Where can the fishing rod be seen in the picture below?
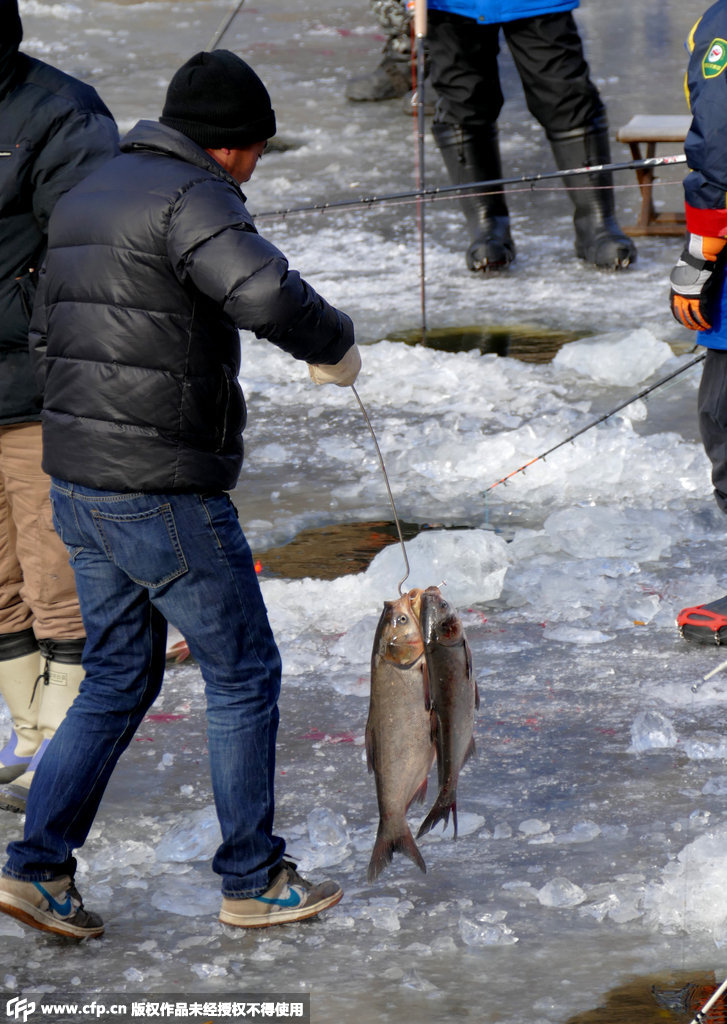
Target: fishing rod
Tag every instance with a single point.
(697, 686)
(466, 189)
(388, 488)
(224, 25)
(700, 1015)
(601, 419)
(420, 33)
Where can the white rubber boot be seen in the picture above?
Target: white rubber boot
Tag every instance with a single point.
(19, 671)
(58, 687)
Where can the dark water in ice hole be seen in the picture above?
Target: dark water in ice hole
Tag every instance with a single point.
(326, 552)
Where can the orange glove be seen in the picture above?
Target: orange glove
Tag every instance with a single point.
(692, 282)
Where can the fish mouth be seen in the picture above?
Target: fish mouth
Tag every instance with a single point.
(414, 597)
(438, 620)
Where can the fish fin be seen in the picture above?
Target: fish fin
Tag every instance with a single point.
(386, 846)
(433, 725)
(370, 749)
(440, 812)
(470, 752)
(434, 733)
(471, 673)
(419, 795)
(425, 684)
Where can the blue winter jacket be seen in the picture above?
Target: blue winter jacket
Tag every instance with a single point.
(705, 187)
(492, 12)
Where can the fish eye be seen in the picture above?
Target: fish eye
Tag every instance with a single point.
(402, 619)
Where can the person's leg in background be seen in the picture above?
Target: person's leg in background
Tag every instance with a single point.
(466, 81)
(41, 631)
(548, 53)
(392, 77)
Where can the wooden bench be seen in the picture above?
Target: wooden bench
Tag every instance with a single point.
(649, 130)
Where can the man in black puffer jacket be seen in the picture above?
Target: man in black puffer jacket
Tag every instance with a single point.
(53, 131)
(153, 265)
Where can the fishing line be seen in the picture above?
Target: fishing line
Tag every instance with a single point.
(388, 488)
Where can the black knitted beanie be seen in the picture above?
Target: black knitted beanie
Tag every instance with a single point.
(217, 100)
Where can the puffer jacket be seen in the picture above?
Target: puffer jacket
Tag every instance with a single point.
(493, 12)
(153, 265)
(53, 131)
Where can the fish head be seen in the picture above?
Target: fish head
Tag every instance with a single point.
(398, 636)
(440, 623)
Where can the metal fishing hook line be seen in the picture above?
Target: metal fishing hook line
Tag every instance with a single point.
(388, 488)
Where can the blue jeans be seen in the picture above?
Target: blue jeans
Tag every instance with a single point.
(140, 561)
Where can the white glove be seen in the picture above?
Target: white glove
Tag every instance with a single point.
(343, 373)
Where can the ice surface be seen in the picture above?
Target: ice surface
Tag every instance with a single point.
(195, 838)
(561, 892)
(592, 820)
(619, 358)
(487, 930)
(652, 730)
(677, 901)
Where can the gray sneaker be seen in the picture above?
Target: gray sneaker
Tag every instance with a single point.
(54, 906)
(289, 898)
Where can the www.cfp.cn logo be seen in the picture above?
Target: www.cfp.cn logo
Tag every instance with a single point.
(19, 1008)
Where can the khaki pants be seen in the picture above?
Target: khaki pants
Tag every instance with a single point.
(37, 588)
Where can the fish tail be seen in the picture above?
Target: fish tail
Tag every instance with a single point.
(445, 804)
(387, 845)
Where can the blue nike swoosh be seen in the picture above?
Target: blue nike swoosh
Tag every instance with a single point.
(63, 909)
(293, 900)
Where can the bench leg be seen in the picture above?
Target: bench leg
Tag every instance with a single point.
(645, 178)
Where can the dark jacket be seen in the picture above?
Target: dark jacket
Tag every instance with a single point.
(705, 187)
(53, 131)
(153, 265)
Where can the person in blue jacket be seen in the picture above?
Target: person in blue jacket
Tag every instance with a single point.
(463, 43)
(698, 296)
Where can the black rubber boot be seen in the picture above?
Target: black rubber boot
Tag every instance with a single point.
(475, 156)
(599, 240)
(704, 623)
(390, 80)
